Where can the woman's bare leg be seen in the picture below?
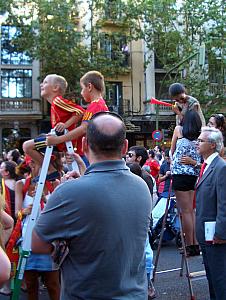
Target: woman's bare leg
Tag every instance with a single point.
(185, 204)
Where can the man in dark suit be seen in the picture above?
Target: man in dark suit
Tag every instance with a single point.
(211, 206)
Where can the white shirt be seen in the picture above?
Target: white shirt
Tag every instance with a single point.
(209, 160)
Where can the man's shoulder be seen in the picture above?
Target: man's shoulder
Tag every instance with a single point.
(146, 177)
(145, 173)
(219, 162)
(68, 187)
(164, 166)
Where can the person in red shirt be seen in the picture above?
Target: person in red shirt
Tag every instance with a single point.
(153, 164)
(92, 89)
(65, 114)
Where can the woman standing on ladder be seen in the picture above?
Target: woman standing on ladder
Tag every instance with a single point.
(185, 176)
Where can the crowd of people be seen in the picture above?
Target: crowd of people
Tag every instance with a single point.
(102, 214)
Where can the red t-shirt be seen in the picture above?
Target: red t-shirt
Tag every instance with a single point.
(154, 167)
(62, 110)
(93, 108)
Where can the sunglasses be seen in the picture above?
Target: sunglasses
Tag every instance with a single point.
(130, 154)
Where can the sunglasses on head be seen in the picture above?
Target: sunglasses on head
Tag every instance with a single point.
(219, 117)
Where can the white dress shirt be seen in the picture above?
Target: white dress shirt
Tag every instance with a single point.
(209, 160)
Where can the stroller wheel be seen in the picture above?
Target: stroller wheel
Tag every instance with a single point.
(178, 240)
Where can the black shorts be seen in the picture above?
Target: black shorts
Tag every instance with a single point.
(40, 143)
(184, 182)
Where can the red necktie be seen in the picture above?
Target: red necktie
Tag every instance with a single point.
(200, 176)
(202, 170)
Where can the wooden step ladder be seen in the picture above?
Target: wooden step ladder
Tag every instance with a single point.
(191, 276)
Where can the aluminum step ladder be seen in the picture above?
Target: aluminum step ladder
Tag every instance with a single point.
(191, 276)
(26, 245)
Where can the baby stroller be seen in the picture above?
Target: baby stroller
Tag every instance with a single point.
(172, 227)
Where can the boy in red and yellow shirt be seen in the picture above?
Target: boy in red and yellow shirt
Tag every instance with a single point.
(92, 89)
(65, 114)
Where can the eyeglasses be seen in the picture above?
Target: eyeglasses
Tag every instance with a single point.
(202, 141)
(130, 154)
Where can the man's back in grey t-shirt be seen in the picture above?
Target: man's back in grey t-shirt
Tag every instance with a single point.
(104, 216)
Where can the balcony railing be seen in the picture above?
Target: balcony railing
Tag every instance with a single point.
(127, 108)
(216, 89)
(20, 106)
(163, 108)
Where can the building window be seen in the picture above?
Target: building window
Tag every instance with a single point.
(163, 94)
(16, 83)
(114, 96)
(115, 48)
(9, 51)
(217, 74)
(158, 64)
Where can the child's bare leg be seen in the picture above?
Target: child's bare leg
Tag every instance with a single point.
(37, 157)
(29, 149)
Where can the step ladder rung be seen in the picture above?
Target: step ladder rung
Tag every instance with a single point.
(197, 274)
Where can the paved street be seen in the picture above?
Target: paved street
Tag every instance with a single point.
(169, 285)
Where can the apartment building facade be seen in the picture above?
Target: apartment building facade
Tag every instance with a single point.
(20, 103)
(23, 114)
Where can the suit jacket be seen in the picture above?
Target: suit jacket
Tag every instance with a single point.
(211, 200)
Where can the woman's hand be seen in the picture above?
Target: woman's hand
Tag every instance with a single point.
(176, 110)
(70, 175)
(81, 165)
(27, 210)
(187, 160)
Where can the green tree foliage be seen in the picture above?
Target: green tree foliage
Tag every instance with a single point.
(174, 32)
(50, 33)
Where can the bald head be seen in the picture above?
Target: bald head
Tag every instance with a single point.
(106, 135)
(108, 124)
